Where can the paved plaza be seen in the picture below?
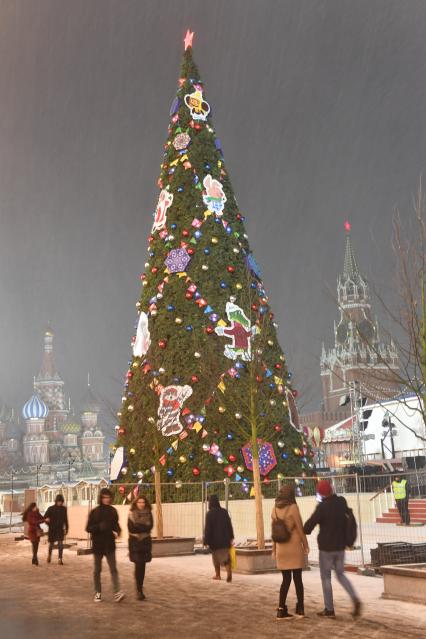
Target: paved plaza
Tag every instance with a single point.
(54, 602)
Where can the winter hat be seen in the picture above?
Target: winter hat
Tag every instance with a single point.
(324, 488)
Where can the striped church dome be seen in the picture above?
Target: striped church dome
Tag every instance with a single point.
(35, 408)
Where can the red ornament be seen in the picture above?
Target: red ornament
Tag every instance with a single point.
(295, 392)
(254, 307)
(196, 471)
(143, 276)
(230, 269)
(209, 330)
(259, 379)
(154, 269)
(266, 480)
(277, 428)
(190, 251)
(121, 431)
(278, 366)
(185, 232)
(122, 490)
(194, 379)
(188, 295)
(232, 458)
(162, 343)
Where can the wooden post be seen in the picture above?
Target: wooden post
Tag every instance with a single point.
(158, 504)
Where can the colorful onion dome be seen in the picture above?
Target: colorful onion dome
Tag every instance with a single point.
(35, 408)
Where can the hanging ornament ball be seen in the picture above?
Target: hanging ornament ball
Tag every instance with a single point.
(132, 451)
(204, 267)
(195, 471)
(240, 469)
(232, 458)
(207, 251)
(153, 313)
(162, 343)
(214, 240)
(232, 299)
(230, 269)
(272, 402)
(140, 474)
(185, 232)
(282, 358)
(278, 428)
(223, 284)
(170, 307)
(121, 431)
(130, 408)
(162, 370)
(230, 436)
(170, 472)
(236, 250)
(182, 459)
(197, 355)
(238, 286)
(238, 415)
(280, 443)
(209, 330)
(259, 379)
(178, 484)
(178, 320)
(206, 448)
(124, 470)
(297, 451)
(121, 490)
(221, 409)
(194, 379)
(220, 459)
(135, 364)
(151, 420)
(280, 476)
(270, 342)
(159, 296)
(284, 455)
(189, 328)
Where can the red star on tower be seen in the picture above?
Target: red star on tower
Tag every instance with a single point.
(188, 39)
(347, 226)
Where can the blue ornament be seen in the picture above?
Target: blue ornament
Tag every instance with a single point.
(284, 455)
(272, 385)
(239, 365)
(230, 436)
(170, 307)
(151, 254)
(263, 310)
(189, 328)
(170, 472)
(191, 456)
(176, 380)
(196, 179)
(253, 285)
(207, 251)
(197, 234)
(237, 376)
(173, 226)
(289, 375)
(228, 230)
(207, 166)
(223, 284)
(180, 189)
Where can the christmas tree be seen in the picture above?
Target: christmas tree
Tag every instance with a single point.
(207, 393)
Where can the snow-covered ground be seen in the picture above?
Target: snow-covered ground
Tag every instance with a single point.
(182, 602)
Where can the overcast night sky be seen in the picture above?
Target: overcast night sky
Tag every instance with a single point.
(320, 107)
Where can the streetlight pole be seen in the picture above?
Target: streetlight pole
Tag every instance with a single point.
(11, 499)
(38, 468)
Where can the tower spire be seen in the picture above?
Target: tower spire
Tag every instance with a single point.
(350, 267)
(48, 369)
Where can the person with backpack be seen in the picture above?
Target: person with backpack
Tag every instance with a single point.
(337, 532)
(219, 536)
(104, 528)
(140, 524)
(32, 520)
(290, 548)
(57, 518)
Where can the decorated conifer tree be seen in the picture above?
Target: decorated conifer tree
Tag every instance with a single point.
(207, 393)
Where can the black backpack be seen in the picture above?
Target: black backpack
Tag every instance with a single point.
(279, 531)
(351, 528)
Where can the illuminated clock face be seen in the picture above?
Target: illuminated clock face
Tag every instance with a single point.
(366, 329)
(342, 332)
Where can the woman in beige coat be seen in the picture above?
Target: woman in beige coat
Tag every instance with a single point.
(290, 555)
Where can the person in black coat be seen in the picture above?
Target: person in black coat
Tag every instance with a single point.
(140, 524)
(219, 536)
(57, 518)
(104, 528)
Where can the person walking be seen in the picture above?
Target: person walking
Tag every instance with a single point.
(104, 528)
(331, 516)
(56, 517)
(32, 520)
(290, 555)
(219, 536)
(401, 492)
(140, 524)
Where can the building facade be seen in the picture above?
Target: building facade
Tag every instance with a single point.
(51, 441)
(359, 356)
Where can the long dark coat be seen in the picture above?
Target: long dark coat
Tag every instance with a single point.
(140, 542)
(102, 524)
(58, 522)
(218, 532)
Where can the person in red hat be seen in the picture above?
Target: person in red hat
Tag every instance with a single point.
(331, 516)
